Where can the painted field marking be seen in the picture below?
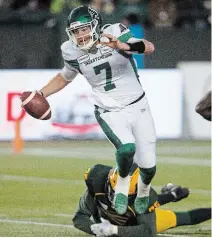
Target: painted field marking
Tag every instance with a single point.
(64, 215)
(97, 155)
(5, 177)
(65, 226)
(35, 223)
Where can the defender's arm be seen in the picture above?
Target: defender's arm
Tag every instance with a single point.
(172, 193)
(84, 211)
(145, 228)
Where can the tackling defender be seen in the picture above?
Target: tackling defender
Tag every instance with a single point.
(104, 56)
(96, 202)
(204, 106)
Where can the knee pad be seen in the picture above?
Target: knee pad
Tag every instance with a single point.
(147, 174)
(126, 150)
(124, 158)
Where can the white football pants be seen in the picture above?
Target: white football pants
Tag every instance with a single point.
(134, 124)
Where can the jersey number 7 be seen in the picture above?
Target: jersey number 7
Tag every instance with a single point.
(105, 66)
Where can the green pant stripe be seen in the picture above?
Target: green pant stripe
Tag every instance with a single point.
(107, 130)
(134, 67)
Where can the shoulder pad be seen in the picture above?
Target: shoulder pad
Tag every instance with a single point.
(69, 52)
(119, 30)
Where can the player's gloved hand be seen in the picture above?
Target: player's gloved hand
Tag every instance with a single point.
(104, 229)
(177, 191)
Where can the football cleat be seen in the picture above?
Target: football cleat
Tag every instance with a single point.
(120, 203)
(141, 204)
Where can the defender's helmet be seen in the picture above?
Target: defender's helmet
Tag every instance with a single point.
(112, 180)
(81, 17)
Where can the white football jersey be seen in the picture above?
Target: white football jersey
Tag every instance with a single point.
(111, 73)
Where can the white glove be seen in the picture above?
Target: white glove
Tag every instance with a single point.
(104, 229)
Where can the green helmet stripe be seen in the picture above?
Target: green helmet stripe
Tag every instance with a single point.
(84, 19)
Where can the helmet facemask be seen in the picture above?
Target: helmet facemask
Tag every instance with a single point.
(85, 43)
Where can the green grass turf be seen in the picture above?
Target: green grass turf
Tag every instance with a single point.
(46, 190)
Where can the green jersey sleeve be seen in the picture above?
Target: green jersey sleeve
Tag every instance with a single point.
(146, 227)
(120, 31)
(84, 212)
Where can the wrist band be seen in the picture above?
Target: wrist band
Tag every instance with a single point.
(137, 46)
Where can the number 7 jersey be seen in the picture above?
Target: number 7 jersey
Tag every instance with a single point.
(111, 73)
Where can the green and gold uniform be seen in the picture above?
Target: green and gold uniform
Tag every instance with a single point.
(95, 203)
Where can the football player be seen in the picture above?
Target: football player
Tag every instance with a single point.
(204, 106)
(103, 55)
(96, 203)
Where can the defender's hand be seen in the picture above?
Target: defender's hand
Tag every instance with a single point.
(113, 42)
(177, 191)
(104, 229)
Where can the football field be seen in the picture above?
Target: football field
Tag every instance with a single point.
(40, 188)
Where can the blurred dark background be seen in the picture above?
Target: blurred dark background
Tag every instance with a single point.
(31, 31)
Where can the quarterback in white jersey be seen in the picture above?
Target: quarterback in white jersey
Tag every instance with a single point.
(103, 55)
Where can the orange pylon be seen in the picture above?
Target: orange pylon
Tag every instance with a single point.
(18, 141)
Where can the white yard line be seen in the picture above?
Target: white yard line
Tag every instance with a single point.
(5, 177)
(184, 161)
(34, 223)
(168, 235)
(107, 155)
(184, 149)
(67, 226)
(64, 215)
(39, 180)
(175, 149)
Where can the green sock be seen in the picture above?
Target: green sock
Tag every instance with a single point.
(193, 217)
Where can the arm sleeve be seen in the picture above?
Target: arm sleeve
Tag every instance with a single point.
(84, 211)
(146, 227)
(120, 31)
(68, 72)
(165, 198)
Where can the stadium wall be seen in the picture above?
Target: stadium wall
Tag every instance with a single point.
(172, 94)
(33, 41)
(72, 112)
(196, 83)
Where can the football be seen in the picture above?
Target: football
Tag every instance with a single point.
(36, 105)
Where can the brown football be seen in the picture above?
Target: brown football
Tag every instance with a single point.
(36, 105)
